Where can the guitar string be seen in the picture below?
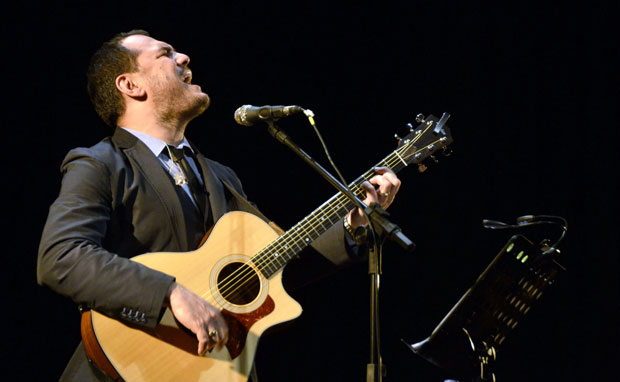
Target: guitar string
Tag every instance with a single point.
(315, 216)
(284, 244)
(263, 257)
(264, 261)
(295, 235)
(268, 261)
(291, 238)
(245, 275)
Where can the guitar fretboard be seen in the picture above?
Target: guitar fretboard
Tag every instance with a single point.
(418, 145)
(277, 254)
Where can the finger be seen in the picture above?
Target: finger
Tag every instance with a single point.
(219, 333)
(220, 342)
(384, 185)
(383, 170)
(223, 331)
(221, 325)
(393, 179)
(214, 339)
(218, 339)
(385, 191)
(203, 342)
(388, 175)
(210, 336)
(371, 193)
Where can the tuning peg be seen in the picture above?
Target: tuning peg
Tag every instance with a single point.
(411, 128)
(446, 152)
(397, 137)
(434, 159)
(422, 168)
(420, 118)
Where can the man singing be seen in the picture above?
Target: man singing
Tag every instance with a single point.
(148, 189)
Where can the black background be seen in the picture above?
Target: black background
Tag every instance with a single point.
(533, 94)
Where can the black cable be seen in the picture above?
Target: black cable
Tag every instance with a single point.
(310, 116)
(531, 220)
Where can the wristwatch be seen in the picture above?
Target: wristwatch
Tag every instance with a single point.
(357, 234)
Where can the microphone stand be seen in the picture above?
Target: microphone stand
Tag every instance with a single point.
(381, 227)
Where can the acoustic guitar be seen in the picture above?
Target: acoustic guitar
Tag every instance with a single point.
(239, 270)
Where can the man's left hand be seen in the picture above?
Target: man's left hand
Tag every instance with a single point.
(381, 188)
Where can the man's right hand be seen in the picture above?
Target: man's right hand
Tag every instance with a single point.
(198, 316)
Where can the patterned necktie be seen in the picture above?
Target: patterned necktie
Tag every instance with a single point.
(195, 187)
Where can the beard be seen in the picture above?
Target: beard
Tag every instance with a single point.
(177, 102)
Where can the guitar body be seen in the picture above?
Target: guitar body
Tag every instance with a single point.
(168, 352)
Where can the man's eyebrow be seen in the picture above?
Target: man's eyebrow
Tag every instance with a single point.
(166, 48)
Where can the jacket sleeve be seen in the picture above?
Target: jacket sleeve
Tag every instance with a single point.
(338, 247)
(72, 260)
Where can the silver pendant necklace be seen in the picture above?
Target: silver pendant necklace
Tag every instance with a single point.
(175, 171)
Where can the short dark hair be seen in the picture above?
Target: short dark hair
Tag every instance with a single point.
(108, 62)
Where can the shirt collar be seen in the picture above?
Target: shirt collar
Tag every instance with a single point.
(154, 144)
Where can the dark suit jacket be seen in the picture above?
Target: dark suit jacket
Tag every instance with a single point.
(116, 201)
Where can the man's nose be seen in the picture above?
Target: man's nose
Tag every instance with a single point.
(182, 59)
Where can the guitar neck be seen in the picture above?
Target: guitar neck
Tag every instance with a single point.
(277, 254)
(431, 135)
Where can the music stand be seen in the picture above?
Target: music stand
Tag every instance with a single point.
(465, 341)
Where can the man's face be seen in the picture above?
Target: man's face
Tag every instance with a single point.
(165, 75)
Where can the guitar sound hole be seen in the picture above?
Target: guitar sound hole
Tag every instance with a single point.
(238, 283)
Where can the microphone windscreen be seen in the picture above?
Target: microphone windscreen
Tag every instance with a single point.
(241, 116)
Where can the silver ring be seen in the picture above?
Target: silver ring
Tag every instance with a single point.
(212, 334)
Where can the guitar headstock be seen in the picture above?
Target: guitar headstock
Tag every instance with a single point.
(431, 135)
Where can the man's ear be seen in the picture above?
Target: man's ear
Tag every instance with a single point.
(127, 85)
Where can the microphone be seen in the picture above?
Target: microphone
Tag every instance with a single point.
(248, 115)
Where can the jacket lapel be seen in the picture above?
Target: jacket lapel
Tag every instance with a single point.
(214, 187)
(153, 173)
